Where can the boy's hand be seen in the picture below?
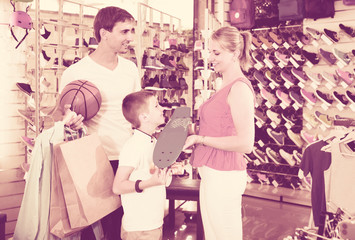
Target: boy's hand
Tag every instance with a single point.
(161, 176)
(71, 119)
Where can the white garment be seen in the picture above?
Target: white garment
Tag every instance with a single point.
(33, 219)
(142, 211)
(221, 203)
(109, 123)
(341, 183)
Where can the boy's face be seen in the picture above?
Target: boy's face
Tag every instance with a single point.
(156, 112)
(121, 36)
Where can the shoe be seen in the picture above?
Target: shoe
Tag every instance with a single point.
(341, 98)
(45, 56)
(342, 56)
(298, 57)
(332, 35)
(307, 137)
(199, 64)
(315, 77)
(260, 155)
(273, 116)
(297, 156)
(182, 48)
(198, 45)
(283, 97)
(323, 118)
(328, 56)
(181, 65)
(268, 96)
(288, 157)
(313, 32)
(27, 115)
(258, 58)
(311, 119)
(324, 97)
(164, 82)
(345, 76)
(183, 84)
(92, 43)
(348, 30)
(342, 121)
(303, 38)
(256, 42)
(164, 59)
(172, 60)
(274, 156)
(260, 116)
(351, 96)
(297, 98)
(25, 88)
(278, 137)
(284, 59)
(309, 97)
(265, 41)
(156, 42)
(29, 142)
(288, 38)
(173, 82)
(275, 38)
(299, 74)
(312, 57)
(295, 138)
(152, 64)
(260, 78)
(276, 80)
(288, 78)
(290, 118)
(330, 78)
(270, 59)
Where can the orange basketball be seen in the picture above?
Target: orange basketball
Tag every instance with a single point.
(83, 96)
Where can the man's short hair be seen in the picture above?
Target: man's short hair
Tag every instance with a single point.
(107, 17)
(134, 104)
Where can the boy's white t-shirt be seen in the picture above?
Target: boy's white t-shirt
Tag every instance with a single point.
(109, 123)
(142, 211)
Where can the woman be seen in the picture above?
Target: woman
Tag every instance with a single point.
(226, 132)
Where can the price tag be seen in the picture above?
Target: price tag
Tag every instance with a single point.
(308, 126)
(309, 106)
(315, 43)
(257, 162)
(258, 124)
(340, 64)
(295, 106)
(340, 107)
(264, 46)
(301, 85)
(268, 104)
(309, 64)
(294, 62)
(328, 86)
(281, 65)
(287, 85)
(273, 125)
(324, 106)
(252, 47)
(268, 64)
(288, 125)
(314, 85)
(286, 45)
(323, 127)
(299, 44)
(271, 85)
(261, 143)
(343, 84)
(326, 40)
(283, 105)
(275, 183)
(258, 65)
(274, 45)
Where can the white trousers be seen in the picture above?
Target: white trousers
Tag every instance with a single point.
(221, 203)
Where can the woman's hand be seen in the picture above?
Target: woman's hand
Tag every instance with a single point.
(71, 119)
(192, 140)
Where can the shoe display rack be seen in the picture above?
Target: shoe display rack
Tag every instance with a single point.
(276, 79)
(59, 40)
(165, 59)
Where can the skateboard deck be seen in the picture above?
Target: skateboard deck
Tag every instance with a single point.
(172, 138)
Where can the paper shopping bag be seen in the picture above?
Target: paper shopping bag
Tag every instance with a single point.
(58, 218)
(86, 177)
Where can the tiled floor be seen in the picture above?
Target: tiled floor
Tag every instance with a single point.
(263, 220)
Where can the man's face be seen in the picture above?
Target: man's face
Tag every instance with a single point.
(121, 36)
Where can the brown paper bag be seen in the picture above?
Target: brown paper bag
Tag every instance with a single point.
(86, 178)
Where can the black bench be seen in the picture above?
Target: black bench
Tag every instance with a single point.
(184, 189)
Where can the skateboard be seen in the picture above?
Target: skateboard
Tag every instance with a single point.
(172, 138)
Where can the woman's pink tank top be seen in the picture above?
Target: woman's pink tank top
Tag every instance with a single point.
(216, 121)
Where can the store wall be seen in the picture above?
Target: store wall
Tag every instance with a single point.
(12, 151)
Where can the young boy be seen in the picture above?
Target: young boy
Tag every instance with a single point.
(142, 188)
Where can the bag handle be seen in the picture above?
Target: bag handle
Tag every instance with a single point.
(70, 134)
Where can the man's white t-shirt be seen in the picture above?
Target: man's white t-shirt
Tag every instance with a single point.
(109, 123)
(142, 211)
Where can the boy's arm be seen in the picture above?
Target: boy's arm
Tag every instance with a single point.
(122, 184)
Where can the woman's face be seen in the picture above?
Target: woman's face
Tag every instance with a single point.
(221, 59)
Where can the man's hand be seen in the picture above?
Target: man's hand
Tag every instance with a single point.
(71, 119)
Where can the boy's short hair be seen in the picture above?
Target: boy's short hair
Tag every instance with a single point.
(107, 17)
(134, 104)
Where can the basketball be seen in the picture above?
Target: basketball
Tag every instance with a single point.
(83, 96)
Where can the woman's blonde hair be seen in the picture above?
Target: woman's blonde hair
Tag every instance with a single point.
(231, 39)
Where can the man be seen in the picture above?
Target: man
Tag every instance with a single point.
(115, 77)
